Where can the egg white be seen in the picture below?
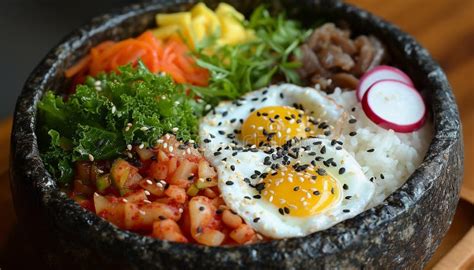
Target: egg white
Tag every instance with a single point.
(234, 162)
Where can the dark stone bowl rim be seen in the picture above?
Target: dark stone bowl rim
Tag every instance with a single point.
(394, 206)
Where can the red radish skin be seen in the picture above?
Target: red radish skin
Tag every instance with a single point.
(379, 73)
(397, 88)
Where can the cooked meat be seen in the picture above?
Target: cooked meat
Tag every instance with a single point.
(332, 59)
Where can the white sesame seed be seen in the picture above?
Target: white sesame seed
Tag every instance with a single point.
(180, 210)
(129, 147)
(191, 141)
(124, 200)
(114, 109)
(129, 124)
(188, 151)
(130, 155)
(175, 129)
(141, 146)
(142, 212)
(165, 145)
(159, 141)
(144, 128)
(176, 102)
(91, 157)
(167, 136)
(147, 192)
(171, 148)
(97, 83)
(149, 182)
(147, 201)
(127, 128)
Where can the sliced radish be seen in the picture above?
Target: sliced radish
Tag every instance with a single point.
(394, 105)
(379, 73)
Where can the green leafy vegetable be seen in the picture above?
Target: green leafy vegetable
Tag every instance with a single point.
(238, 69)
(109, 112)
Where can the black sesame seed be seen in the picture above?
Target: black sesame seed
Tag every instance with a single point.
(201, 208)
(317, 143)
(321, 171)
(382, 176)
(286, 209)
(224, 159)
(247, 197)
(221, 132)
(229, 183)
(296, 188)
(346, 210)
(212, 136)
(225, 113)
(217, 153)
(190, 177)
(280, 210)
(207, 140)
(353, 109)
(246, 180)
(257, 196)
(199, 229)
(281, 95)
(348, 197)
(162, 217)
(338, 148)
(254, 99)
(333, 142)
(352, 121)
(260, 187)
(256, 219)
(316, 193)
(232, 167)
(371, 150)
(323, 150)
(345, 187)
(327, 133)
(352, 133)
(234, 154)
(219, 211)
(342, 170)
(265, 92)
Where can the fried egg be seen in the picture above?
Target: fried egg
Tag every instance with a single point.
(279, 167)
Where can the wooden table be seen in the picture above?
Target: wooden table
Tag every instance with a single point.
(446, 28)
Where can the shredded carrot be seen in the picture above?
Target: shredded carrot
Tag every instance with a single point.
(172, 57)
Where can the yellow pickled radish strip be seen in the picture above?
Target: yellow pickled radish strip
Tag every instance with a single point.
(225, 23)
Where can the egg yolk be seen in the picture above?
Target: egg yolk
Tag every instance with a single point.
(275, 125)
(302, 193)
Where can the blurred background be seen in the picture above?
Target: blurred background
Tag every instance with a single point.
(31, 27)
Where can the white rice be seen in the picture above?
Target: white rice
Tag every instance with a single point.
(396, 155)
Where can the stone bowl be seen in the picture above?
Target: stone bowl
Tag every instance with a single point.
(403, 232)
